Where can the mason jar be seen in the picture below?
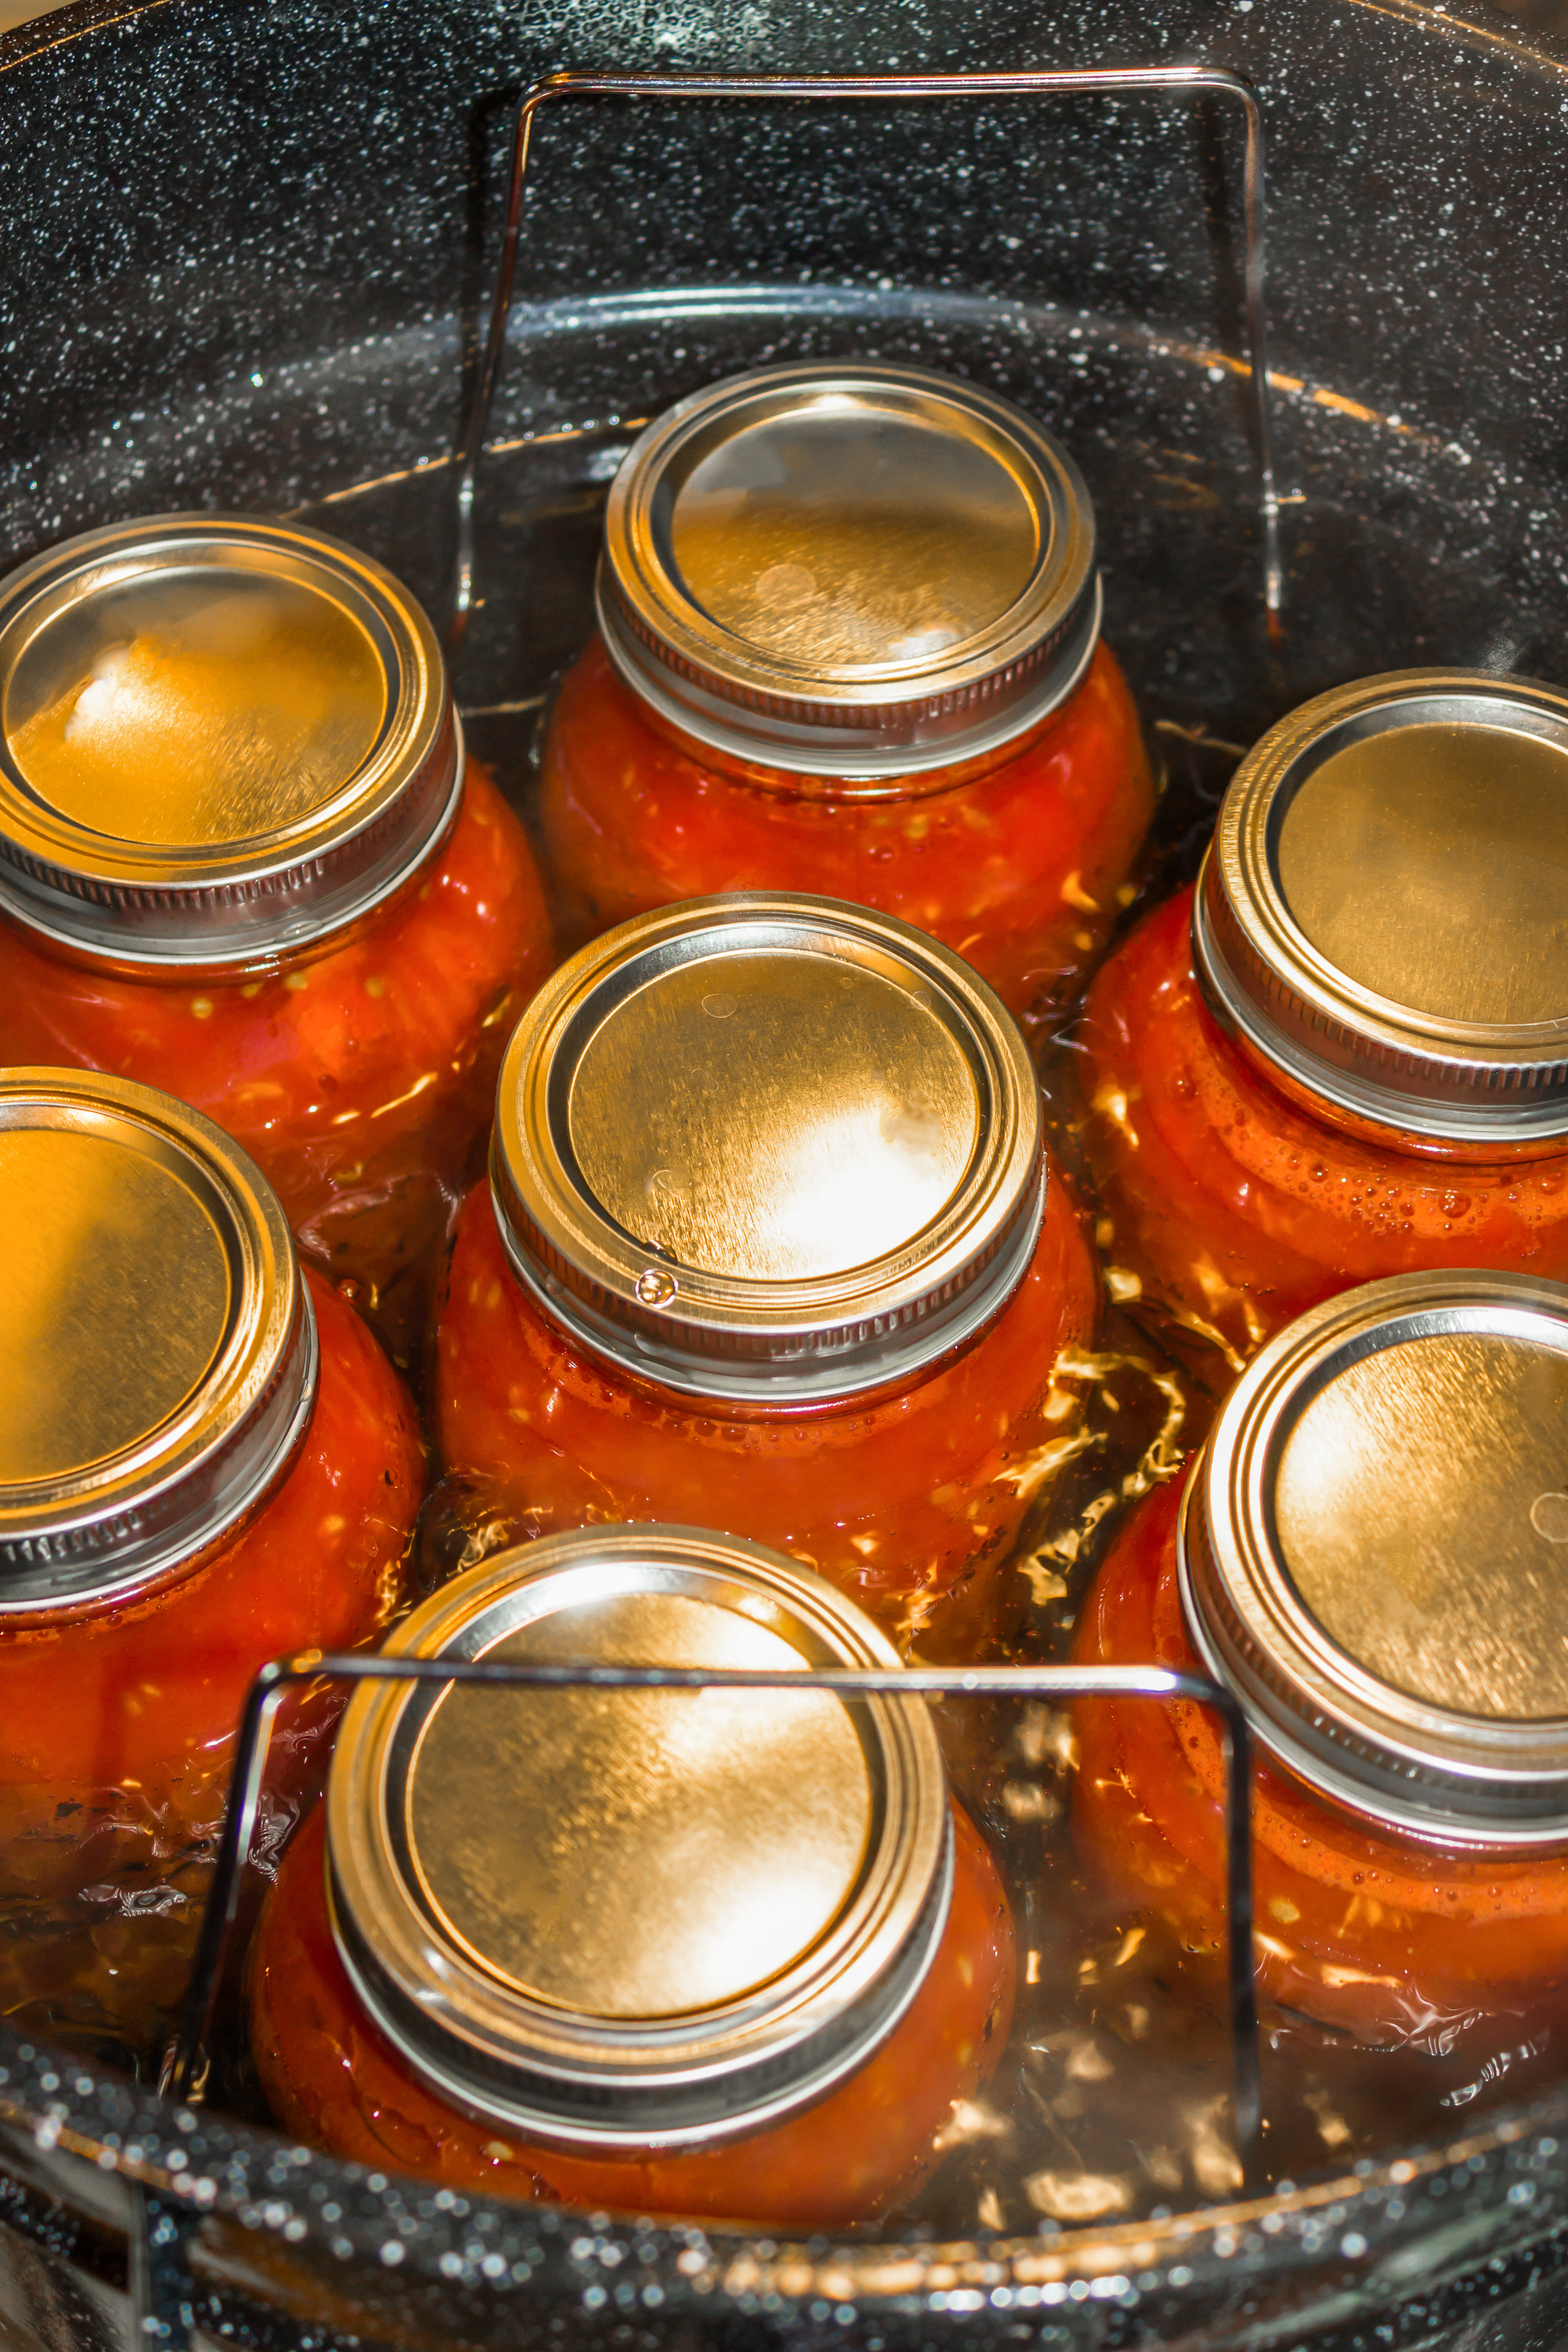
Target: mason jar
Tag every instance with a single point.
(849, 644)
(206, 1462)
(1371, 1553)
(242, 858)
(720, 1952)
(1344, 1055)
(769, 1242)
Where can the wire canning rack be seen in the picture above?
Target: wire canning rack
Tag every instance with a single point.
(165, 2292)
(185, 2070)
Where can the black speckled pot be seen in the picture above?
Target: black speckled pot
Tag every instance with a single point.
(244, 244)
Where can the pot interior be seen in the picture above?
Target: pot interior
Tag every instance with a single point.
(290, 328)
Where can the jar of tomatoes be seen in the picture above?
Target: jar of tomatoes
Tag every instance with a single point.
(769, 1242)
(241, 857)
(1345, 1055)
(708, 1951)
(849, 643)
(1371, 1553)
(205, 1461)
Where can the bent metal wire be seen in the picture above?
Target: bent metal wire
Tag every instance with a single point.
(186, 2065)
(1091, 81)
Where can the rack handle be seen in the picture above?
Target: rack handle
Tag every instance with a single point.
(1103, 81)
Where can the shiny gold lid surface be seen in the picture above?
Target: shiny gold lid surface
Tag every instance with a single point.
(157, 1351)
(1376, 1551)
(638, 1915)
(852, 569)
(220, 739)
(115, 1301)
(1382, 914)
(595, 1888)
(216, 707)
(813, 1120)
(768, 1143)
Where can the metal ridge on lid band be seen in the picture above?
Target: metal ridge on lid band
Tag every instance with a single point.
(1369, 1554)
(159, 1347)
(852, 569)
(223, 740)
(1378, 917)
(768, 1144)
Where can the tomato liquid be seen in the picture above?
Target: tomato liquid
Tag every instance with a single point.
(117, 1724)
(1374, 1932)
(361, 1081)
(335, 2083)
(1235, 1209)
(908, 1501)
(1019, 863)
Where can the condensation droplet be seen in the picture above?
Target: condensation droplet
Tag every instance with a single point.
(1549, 1518)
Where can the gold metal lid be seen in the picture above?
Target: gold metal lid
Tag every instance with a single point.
(637, 1917)
(157, 1348)
(1382, 914)
(221, 740)
(768, 1144)
(848, 570)
(1375, 1552)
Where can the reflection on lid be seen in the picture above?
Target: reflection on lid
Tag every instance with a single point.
(1430, 863)
(840, 537)
(221, 707)
(114, 1299)
(1408, 1501)
(656, 1851)
(773, 1116)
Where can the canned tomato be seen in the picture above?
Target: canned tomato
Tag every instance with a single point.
(769, 1242)
(241, 857)
(1371, 1553)
(1345, 1055)
(730, 1952)
(206, 1462)
(849, 643)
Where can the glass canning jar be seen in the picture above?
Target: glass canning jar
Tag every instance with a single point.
(722, 1952)
(769, 1242)
(241, 857)
(206, 1462)
(1373, 1552)
(1345, 1055)
(849, 644)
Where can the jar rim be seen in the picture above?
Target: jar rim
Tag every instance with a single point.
(162, 1343)
(1434, 1003)
(696, 1196)
(850, 569)
(1376, 1621)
